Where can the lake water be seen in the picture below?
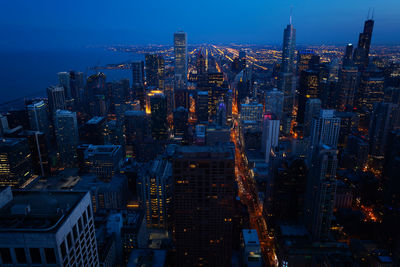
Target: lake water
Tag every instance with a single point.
(29, 73)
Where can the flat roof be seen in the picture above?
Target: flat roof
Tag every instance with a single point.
(44, 210)
(95, 120)
(250, 236)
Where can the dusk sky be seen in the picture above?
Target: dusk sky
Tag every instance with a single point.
(47, 24)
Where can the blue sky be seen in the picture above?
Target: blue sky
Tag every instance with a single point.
(47, 24)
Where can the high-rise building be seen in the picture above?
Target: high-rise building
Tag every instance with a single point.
(158, 106)
(321, 190)
(306, 60)
(252, 111)
(93, 131)
(348, 80)
(155, 70)
(202, 106)
(95, 94)
(309, 88)
(274, 102)
(157, 194)
(38, 147)
(370, 89)
(15, 161)
(3, 124)
(270, 135)
(221, 113)
(348, 56)
(313, 108)
(137, 131)
(38, 117)
(64, 81)
(58, 228)
(66, 129)
(384, 118)
(137, 73)
(181, 59)
(361, 53)
(286, 81)
(56, 97)
(181, 122)
(325, 129)
(203, 204)
(104, 160)
(77, 85)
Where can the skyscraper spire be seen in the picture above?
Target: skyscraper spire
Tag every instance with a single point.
(290, 17)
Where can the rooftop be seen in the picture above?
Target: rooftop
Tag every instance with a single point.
(36, 211)
(250, 236)
(9, 142)
(95, 120)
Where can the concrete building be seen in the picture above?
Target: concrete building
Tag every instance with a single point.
(251, 248)
(46, 228)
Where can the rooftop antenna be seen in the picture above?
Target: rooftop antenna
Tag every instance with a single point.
(369, 12)
(291, 12)
(373, 11)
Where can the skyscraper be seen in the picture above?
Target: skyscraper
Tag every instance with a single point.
(348, 80)
(348, 56)
(181, 64)
(137, 131)
(274, 102)
(361, 53)
(137, 73)
(66, 129)
(321, 190)
(270, 135)
(56, 97)
(64, 81)
(155, 70)
(202, 106)
(286, 81)
(38, 117)
(203, 204)
(158, 106)
(157, 194)
(325, 129)
(15, 161)
(309, 88)
(313, 108)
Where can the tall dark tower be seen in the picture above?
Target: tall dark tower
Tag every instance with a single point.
(361, 53)
(286, 82)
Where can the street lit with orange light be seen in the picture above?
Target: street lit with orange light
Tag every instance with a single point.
(249, 197)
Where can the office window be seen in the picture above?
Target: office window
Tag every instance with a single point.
(50, 255)
(35, 255)
(5, 255)
(20, 255)
(75, 232)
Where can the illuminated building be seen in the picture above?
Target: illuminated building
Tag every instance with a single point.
(58, 228)
(93, 132)
(348, 125)
(155, 70)
(251, 248)
(216, 78)
(181, 98)
(348, 80)
(137, 73)
(217, 134)
(38, 118)
(66, 129)
(270, 135)
(15, 161)
(204, 195)
(321, 189)
(306, 59)
(56, 97)
(119, 92)
(384, 118)
(104, 161)
(158, 106)
(371, 89)
(309, 88)
(202, 106)
(325, 129)
(181, 60)
(169, 94)
(252, 111)
(313, 108)
(361, 53)
(355, 155)
(215, 94)
(64, 81)
(157, 194)
(274, 102)
(221, 113)
(201, 69)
